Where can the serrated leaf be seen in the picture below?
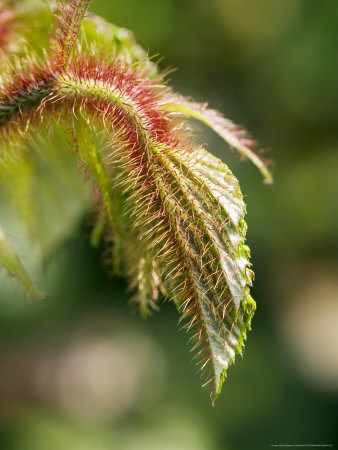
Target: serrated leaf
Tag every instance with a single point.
(206, 210)
(11, 261)
(189, 222)
(68, 19)
(235, 136)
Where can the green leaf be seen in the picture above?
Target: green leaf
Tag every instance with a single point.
(205, 207)
(187, 242)
(111, 39)
(11, 261)
(98, 228)
(31, 24)
(67, 27)
(231, 133)
(36, 178)
(90, 155)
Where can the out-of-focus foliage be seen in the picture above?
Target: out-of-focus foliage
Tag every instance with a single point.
(35, 180)
(11, 261)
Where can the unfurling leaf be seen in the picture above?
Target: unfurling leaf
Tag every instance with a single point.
(172, 212)
(235, 136)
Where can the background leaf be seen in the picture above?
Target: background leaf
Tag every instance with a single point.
(11, 261)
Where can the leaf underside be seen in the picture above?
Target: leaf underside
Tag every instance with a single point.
(172, 214)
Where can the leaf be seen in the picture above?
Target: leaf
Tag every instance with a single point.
(36, 177)
(188, 220)
(30, 24)
(110, 39)
(68, 23)
(90, 155)
(206, 211)
(98, 228)
(231, 133)
(146, 285)
(11, 261)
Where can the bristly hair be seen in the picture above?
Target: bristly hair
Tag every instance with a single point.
(6, 26)
(175, 212)
(67, 26)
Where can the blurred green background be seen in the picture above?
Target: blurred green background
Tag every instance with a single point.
(81, 371)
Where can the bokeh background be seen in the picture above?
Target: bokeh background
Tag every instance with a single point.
(82, 371)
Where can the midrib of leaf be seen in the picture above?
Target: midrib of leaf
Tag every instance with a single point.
(199, 215)
(206, 188)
